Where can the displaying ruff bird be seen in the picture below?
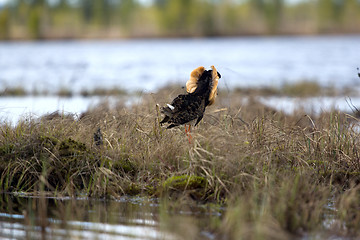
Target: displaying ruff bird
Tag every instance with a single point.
(201, 92)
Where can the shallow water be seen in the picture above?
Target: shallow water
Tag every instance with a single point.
(83, 218)
(13, 109)
(26, 217)
(146, 65)
(313, 105)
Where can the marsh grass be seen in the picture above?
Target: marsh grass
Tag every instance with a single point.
(104, 92)
(13, 91)
(274, 172)
(301, 88)
(19, 91)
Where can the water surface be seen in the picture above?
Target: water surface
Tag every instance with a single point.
(24, 217)
(146, 65)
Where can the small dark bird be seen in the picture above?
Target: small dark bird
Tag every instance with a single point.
(185, 108)
(358, 72)
(98, 137)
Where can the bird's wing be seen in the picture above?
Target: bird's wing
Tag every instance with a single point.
(177, 105)
(191, 84)
(180, 103)
(187, 108)
(184, 108)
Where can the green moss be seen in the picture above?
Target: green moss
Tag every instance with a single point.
(124, 165)
(185, 186)
(133, 189)
(71, 147)
(185, 182)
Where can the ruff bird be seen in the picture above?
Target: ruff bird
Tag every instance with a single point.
(187, 108)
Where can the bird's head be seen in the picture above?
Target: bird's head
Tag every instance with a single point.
(202, 81)
(199, 76)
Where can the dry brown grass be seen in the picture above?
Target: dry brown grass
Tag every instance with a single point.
(275, 172)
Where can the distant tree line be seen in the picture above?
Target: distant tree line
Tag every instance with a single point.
(46, 19)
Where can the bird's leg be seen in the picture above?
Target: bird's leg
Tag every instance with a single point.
(189, 134)
(190, 138)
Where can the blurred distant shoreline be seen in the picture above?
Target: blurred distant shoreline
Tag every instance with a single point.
(133, 19)
(95, 37)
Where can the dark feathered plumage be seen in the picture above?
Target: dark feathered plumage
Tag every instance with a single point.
(188, 107)
(98, 137)
(183, 109)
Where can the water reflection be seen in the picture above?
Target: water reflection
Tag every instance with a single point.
(12, 109)
(83, 218)
(30, 217)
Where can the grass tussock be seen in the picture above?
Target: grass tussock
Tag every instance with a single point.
(276, 173)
